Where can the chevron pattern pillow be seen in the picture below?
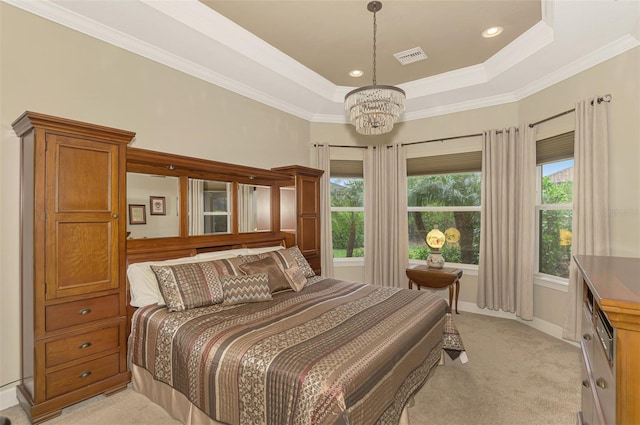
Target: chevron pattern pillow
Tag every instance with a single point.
(246, 289)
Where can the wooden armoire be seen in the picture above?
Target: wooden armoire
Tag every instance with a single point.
(72, 262)
(307, 183)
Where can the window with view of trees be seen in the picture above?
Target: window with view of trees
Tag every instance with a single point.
(554, 204)
(347, 208)
(452, 203)
(444, 191)
(347, 216)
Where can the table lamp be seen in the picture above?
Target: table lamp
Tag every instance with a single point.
(435, 239)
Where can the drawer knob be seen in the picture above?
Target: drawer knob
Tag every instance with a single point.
(585, 383)
(85, 374)
(600, 382)
(85, 345)
(586, 337)
(115, 216)
(84, 311)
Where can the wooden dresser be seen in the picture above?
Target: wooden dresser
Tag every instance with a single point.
(610, 340)
(72, 262)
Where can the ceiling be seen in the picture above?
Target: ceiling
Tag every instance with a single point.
(334, 37)
(296, 55)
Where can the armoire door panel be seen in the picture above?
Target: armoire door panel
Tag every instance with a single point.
(84, 174)
(84, 256)
(308, 242)
(309, 196)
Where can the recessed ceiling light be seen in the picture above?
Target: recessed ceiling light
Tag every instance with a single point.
(492, 32)
(356, 73)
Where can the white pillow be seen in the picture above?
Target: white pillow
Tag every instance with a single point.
(143, 283)
(218, 255)
(254, 251)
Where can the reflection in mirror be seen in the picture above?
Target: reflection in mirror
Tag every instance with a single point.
(288, 209)
(151, 222)
(209, 207)
(254, 208)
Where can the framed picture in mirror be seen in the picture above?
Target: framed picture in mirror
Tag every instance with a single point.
(158, 205)
(137, 214)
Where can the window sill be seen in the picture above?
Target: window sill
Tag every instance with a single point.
(348, 262)
(552, 282)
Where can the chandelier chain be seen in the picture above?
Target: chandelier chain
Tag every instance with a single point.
(375, 30)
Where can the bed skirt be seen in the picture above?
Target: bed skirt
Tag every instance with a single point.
(180, 408)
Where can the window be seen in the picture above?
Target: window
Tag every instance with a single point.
(449, 200)
(347, 209)
(554, 203)
(554, 215)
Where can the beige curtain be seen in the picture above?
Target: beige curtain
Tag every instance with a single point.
(590, 226)
(196, 207)
(507, 236)
(385, 216)
(322, 159)
(247, 211)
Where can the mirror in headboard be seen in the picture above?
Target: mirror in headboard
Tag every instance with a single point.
(213, 205)
(209, 206)
(146, 191)
(254, 208)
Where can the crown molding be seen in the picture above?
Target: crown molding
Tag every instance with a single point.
(605, 53)
(533, 40)
(297, 82)
(460, 107)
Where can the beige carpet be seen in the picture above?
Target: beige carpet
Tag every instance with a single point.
(515, 375)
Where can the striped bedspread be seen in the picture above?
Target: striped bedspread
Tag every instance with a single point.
(334, 353)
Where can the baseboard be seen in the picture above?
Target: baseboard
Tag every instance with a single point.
(538, 324)
(8, 398)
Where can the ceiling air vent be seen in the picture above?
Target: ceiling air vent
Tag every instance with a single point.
(410, 56)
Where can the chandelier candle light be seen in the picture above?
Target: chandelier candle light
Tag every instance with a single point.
(374, 109)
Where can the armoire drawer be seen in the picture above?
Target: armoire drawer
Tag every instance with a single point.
(79, 346)
(75, 313)
(72, 378)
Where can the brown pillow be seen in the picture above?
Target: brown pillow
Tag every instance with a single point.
(277, 279)
(296, 277)
(190, 285)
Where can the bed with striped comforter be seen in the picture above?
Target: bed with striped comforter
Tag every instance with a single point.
(334, 353)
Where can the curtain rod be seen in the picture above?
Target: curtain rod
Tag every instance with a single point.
(449, 138)
(340, 146)
(606, 98)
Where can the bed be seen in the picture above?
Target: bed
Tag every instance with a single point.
(250, 344)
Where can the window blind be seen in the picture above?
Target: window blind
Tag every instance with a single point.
(465, 162)
(346, 168)
(555, 148)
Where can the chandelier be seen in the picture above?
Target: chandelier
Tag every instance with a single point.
(374, 109)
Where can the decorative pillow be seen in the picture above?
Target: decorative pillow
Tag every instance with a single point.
(190, 285)
(228, 266)
(296, 277)
(277, 279)
(246, 289)
(302, 262)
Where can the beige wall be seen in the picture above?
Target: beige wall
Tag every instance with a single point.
(50, 69)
